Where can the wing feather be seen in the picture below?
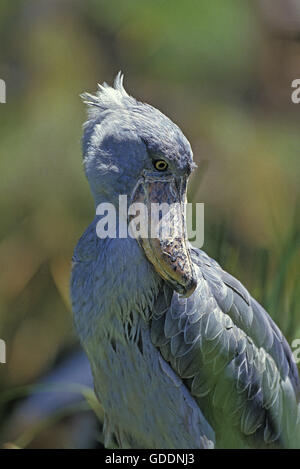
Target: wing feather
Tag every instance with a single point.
(236, 361)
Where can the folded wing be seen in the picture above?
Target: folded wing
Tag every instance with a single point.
(233, 358)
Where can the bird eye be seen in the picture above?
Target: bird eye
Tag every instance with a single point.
(160, 165)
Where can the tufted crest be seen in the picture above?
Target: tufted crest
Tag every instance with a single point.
(108, 98)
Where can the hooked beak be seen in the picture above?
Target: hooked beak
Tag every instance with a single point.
(165, 243)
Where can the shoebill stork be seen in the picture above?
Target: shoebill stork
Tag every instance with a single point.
(182, 356)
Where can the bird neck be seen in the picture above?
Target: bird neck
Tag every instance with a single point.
(124, 285)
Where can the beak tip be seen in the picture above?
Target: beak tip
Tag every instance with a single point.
(189, 288)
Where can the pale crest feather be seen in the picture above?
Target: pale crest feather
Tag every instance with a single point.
(108, 98)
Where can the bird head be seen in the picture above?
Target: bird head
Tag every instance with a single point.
(130, 148)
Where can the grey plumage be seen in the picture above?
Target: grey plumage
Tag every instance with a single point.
(238, 363)
(171, 371)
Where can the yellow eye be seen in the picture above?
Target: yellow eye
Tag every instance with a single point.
(160, 165)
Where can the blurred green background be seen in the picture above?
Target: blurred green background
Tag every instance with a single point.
(223, 72)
